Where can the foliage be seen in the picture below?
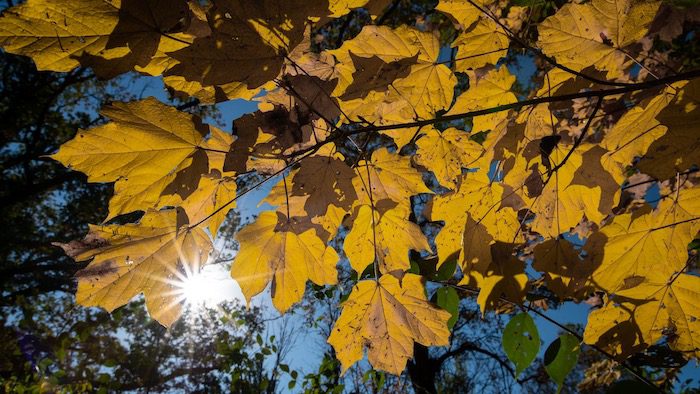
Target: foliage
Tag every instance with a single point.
(56, 348)
(539, 191)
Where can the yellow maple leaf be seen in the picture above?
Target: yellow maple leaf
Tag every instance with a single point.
(282, 197)
(161, 61)
(181, 87)
(326, 180)
(490, 90)
(151, 257)
(372, 74)
(391, 176)
(594, 34)
(481, 44)
(274, 251)
(548, 191)
(386, 317)
(342, 7)
(614, 329)
(286, 203)
(428, 87)
(559, 209)
(320, 191)
(213, 194)
(446, 153)
(474, 218)
(461, 12)
(649, 311)
(679, 148)
(58, 35)
(142, 149)
(632, 135)
(653, 244)
(538, 120)
(382, 108)
(395, 235)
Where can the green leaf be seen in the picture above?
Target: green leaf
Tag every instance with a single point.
(521, 341)
(382, 379)
(446, 271)
(561, 357)
(448, 299)
(415, 268)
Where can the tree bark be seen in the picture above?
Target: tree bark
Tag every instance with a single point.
(423, 370)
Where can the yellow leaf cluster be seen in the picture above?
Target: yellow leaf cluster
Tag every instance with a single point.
(385, 147)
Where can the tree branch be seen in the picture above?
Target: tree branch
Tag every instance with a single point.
(471, 347)
(528, 308)
(516, 105)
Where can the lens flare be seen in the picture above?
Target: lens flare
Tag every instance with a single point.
(197, 289)
(207, 286)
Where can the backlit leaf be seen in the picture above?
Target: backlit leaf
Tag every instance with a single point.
(446, 153)
(387, 176)
(142, 149)
(59, 35)
(395, 235)
(581, 35)
(151, 257)
(274, 250)
(521, 341)
(561, 357)
(386, 317)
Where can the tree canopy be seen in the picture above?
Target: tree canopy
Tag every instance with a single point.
(404, 151)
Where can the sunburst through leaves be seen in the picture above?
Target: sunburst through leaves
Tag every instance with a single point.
(400, 152)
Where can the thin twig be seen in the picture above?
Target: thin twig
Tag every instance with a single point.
(580, 138)
(652, 180)
(250, 189)
(578, 336)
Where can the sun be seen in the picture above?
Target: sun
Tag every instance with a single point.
(197, 289)
(208, 286)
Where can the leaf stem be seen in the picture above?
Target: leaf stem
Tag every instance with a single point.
(286, 195)
(374, 231)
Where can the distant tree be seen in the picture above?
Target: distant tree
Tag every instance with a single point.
(54, 347)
